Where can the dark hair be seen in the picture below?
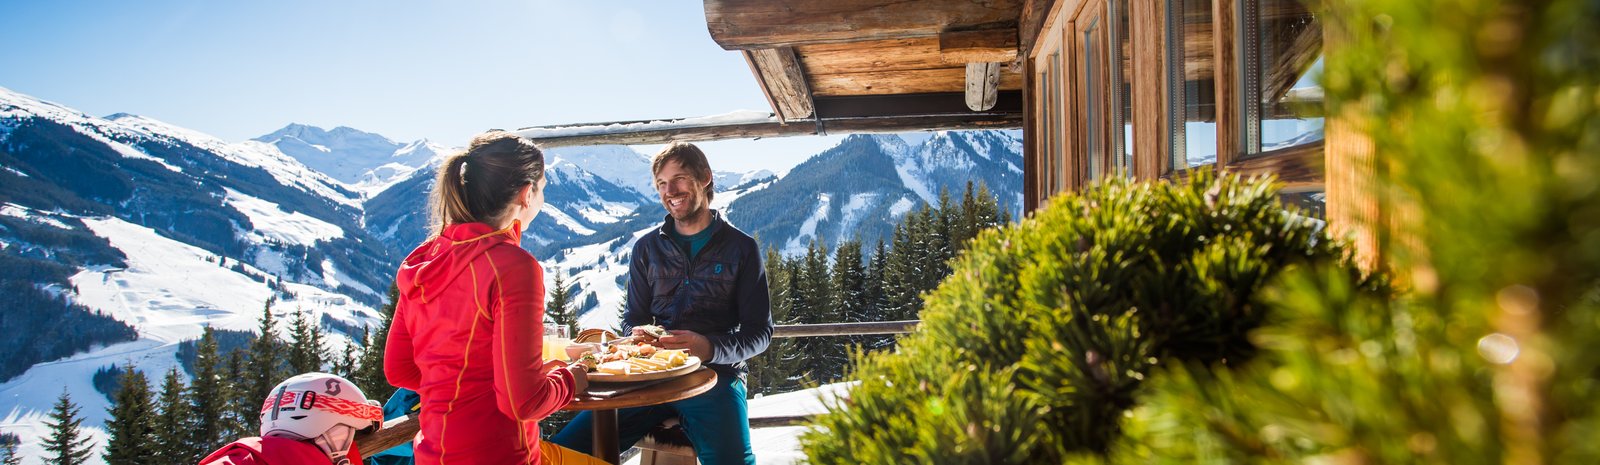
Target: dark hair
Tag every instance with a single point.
(476, 186)
(690, 158)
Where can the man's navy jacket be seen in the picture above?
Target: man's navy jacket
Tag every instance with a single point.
(721, 293)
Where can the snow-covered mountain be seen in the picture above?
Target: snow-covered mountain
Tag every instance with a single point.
(368, 162)
(122, 236)
(861, 187)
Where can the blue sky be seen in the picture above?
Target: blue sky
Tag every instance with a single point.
(442, 70)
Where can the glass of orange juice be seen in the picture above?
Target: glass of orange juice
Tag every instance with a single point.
(556, 340)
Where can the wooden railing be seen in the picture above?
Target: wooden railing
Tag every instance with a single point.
(400, 430)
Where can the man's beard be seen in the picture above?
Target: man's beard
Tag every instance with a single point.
(693, 212)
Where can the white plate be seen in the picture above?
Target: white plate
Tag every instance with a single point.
(689, 366)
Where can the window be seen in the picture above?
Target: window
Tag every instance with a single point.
(1101, 85)
(1121, 76)
(1191, 81)
(1280, 56)
(1090, 53)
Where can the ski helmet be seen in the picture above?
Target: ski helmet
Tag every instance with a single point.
(308, 405)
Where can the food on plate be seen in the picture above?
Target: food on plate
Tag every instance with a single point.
(590, 362)
(616, 368)
(649, 332)
(630, 359)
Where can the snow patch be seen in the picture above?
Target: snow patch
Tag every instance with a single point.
(565, 220)
(274, 224)
(809, 227)
(29, 214)
(170, 290)
(900, 207)
(854, 209)
(14, 171)
(332, 277)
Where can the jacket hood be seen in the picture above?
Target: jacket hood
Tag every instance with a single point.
(438, 262)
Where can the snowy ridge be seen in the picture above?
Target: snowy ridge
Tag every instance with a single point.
(622, 165)
(368, 163)
(14, 106)
(254, 154)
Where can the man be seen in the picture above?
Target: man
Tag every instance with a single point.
(703, 280)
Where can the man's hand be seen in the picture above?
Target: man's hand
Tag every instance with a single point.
(698, 345)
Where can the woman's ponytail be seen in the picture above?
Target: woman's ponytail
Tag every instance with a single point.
(449, 201)
(478, 185)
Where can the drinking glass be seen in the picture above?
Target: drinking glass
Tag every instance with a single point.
(556, 340)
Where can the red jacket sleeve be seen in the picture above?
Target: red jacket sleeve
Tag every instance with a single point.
(399, 358)
(522, 387)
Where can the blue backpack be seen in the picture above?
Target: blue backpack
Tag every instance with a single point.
(403, 402)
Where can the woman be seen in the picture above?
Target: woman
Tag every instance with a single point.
(467, 330)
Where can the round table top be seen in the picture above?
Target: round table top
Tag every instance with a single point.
(679, 388)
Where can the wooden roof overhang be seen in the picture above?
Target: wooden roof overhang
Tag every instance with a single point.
(850, 66)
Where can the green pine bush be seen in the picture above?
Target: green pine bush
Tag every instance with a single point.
(1035, 347)
(1486, 118)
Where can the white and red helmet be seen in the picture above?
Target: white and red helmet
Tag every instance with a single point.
(307, 406)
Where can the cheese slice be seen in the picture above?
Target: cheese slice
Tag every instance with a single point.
(645, 364)
(620, 367)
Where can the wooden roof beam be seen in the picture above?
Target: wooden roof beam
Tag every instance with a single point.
(839, 115)
(778, 72)
(893, 124)
(753, 24)
(983, 51)
(981, 46)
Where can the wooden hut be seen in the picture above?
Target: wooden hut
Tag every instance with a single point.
(1148, 89)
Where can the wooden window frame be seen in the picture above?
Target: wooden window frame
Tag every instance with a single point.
(1298, 168)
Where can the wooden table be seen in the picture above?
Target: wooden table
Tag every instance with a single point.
(605, 408)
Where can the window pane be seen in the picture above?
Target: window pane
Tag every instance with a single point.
(1282, 57)
(1121, 75)
(1058, 127)
(1094, 119)
(1191, 82)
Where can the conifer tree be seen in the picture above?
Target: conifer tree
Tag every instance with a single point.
(240, 419)
(343, 359)
(207, 396)
(877, 295)
(966, 224)
(560, 310)
(900, 271)
(775, 370)
(813, 304)
(266, 365)
(850, 303)
(132, 423)
(173, 423)
(12, 456)
(66, 444)
(307, 351)
(987, 213)
(941, 236)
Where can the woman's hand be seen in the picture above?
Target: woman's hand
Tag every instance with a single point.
(697, 344)
(580, 379)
